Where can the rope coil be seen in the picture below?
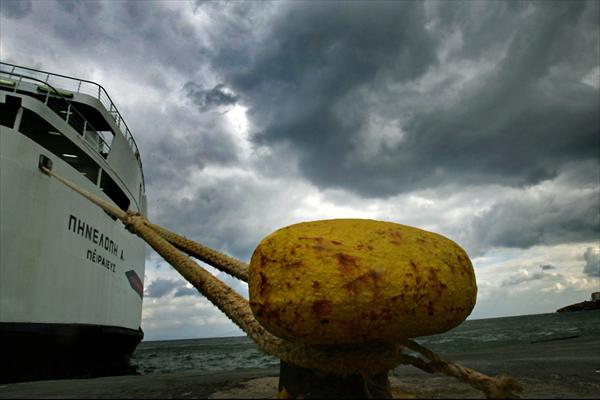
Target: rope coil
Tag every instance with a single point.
(358, 359)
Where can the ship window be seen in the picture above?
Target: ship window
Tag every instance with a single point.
(39, 130)
(113, 191)
(47, 136)
(106, 138)
(8, 111)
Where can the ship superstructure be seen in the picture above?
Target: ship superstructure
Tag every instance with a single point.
(71, 276)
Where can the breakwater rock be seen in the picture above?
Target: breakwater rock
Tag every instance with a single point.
(583, 306)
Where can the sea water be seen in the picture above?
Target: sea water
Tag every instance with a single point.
(227, 354)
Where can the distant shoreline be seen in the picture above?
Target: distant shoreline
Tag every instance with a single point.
(582, 306)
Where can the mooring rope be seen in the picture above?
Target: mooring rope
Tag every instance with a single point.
(499, 387)
(223, 262)
(359, 359)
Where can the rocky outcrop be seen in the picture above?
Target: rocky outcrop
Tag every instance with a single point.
(583, 306)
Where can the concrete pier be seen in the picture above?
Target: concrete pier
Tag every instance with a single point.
(568, 368)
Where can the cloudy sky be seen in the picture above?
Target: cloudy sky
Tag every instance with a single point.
(476, 120)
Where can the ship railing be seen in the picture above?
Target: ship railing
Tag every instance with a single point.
(69, 84)
(55, 100)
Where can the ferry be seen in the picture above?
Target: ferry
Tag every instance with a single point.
(71, 275)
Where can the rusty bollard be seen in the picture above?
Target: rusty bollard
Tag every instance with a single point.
(347, 283)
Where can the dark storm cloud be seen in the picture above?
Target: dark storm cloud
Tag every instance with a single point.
(328, 78)
(525, 122)
(325, 71)
(592, 263)
(174, 157)
(317, 55)
(130, 34)
(15, 8)
(206, 99)
(220, 216)
(82, 9)
(183, 140)
(545, 218)
(186, 291)
(162, 287)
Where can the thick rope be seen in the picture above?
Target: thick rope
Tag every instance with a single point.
(106, 206)
(230, 265)
(499, 387)
(221, 295)
(363, 359)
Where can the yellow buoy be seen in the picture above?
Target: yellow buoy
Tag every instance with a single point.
(349, 281)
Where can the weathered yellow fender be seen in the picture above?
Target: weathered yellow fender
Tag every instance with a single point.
(350, 281)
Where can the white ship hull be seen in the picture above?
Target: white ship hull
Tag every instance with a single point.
(62, 259)
(71, 277)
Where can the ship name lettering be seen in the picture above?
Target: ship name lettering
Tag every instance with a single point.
(87, 231)
(80, 227)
